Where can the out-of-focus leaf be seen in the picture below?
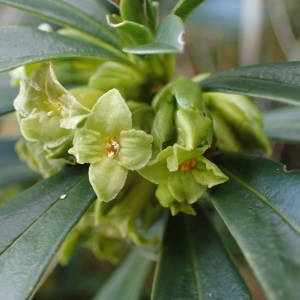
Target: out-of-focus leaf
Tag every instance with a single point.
(127, 281)
(131, 10)
(169, 38)
(7, 95)
(65, 15)
(184, 7)
(94, 8)
(283, 124)
(29, 250)
(273, 81)
(194, 265)
(260, 205)
(20, 45)
(12, 170)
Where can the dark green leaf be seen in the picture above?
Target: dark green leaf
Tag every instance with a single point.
(51, 217)
(21, 45)
(169, 38)
(184, 7)
(283, 124)
(127, 281)
(261, 206)
(273, 81)
(12, 170)
(194, 265)
(65, 15)
(7, 95)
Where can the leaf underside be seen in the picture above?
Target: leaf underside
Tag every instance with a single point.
(283, 124)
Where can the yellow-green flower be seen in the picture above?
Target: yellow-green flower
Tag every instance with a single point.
(108, 142)
(182, 177)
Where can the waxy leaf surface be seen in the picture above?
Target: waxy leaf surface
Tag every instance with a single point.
(260, 205)
(194, 265)
(272, 81)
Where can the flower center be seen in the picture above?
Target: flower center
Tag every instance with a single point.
(188, 164)
(112, 147)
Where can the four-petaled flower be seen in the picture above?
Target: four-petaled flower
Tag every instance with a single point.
(182, 176)
(108, 142)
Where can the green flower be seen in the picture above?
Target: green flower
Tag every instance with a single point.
(182, 176)
(108, 142)
(47, 112)
(37, 158)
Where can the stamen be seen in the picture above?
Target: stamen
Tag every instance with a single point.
(188, 164)
(112, 147)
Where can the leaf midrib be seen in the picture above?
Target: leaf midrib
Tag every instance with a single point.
(28, 228)
(243, 77)
(194, 260)
(265, 200)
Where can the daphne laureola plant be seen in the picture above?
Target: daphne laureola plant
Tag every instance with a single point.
(149, 142)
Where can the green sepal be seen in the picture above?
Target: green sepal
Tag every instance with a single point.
(107, 178)
(135, 149)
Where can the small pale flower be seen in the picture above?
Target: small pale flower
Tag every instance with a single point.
(108, 142)
(182, 177)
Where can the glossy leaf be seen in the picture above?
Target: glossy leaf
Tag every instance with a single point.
(12, 170)
(273, 81)
(194, 265)
(184, 7)
(7, 95)
(42, 219)
(283, 124)
(39, 46)
(260, 205)
(169, 38)
(127, 281)
(65, 15)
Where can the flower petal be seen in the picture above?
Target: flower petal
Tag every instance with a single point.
(156, 171)
(208, 174)
(135, 149)
(107, 178)
(88, 146)
(110, 115)
(184, 188)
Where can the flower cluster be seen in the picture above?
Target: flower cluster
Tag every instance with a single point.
(146, 139)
